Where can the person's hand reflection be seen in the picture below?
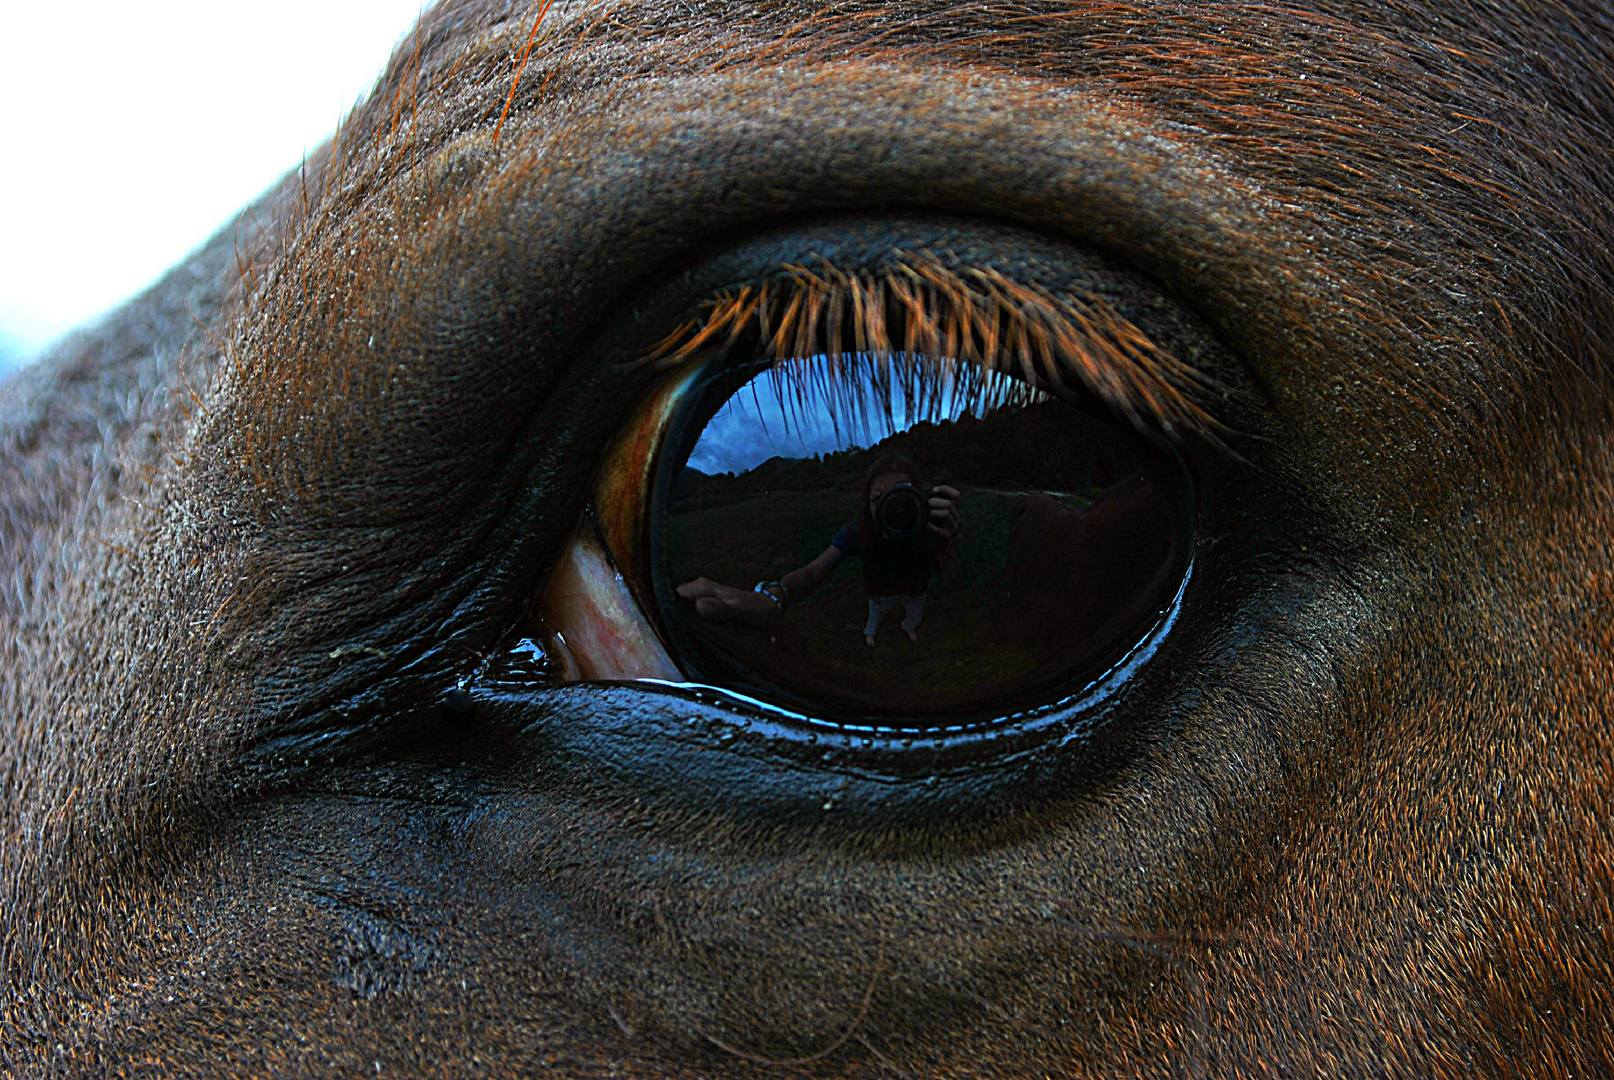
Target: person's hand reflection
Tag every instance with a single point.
(945, 519)
(726, 605)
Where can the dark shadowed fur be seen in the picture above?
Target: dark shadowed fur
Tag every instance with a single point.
(255, 522)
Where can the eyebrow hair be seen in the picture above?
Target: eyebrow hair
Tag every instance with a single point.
(1066, 343)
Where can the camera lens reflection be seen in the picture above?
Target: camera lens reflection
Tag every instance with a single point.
(874, 538)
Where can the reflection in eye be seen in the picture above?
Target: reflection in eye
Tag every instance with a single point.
(893, 537)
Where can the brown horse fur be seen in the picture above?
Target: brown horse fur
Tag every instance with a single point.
(254, 523)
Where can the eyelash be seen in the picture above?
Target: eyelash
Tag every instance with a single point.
(1071, 343)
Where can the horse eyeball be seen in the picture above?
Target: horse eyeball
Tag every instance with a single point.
(899, 541)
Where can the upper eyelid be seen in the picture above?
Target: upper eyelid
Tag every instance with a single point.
(1065, 341)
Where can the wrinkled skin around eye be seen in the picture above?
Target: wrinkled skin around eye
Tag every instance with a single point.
(1352, 820)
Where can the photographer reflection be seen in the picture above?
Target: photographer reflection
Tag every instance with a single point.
(901, 533)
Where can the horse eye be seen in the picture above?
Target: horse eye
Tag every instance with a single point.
(889, 540)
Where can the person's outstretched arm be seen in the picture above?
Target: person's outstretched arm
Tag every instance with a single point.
(722, 603)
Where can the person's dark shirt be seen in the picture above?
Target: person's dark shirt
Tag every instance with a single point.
(891, 567)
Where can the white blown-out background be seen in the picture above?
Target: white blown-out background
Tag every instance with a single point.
(133, 131)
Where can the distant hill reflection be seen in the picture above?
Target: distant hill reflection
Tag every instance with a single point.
(1003, 442)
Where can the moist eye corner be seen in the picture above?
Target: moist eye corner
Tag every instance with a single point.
(457, 708)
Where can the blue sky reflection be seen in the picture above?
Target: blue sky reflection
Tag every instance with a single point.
(776, 415)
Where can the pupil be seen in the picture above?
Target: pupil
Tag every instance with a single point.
(947, 543)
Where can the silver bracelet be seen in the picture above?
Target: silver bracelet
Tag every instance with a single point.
(778, 604)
